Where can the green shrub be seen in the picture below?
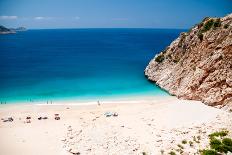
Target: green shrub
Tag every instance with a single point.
(217, 23)
(208, 25)
(218, 145)
(172, 153)
(190, 143)
(227, 149)
(219, 134)
(202, 23)
(180, 146)
(160, 58)
(209, 152)
(205, 19)
(227, 143)
(184, 141)
(144, 153)
(214, 143)
(195, 140)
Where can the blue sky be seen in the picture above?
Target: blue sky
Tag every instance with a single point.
(109, 13)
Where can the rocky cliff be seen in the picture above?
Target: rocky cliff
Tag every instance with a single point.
(198, 64)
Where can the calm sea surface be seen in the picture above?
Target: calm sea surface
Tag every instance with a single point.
(41, 65)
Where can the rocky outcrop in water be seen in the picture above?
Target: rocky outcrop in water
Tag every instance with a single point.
(198, 64)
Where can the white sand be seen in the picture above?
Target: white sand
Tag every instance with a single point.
(142, 125)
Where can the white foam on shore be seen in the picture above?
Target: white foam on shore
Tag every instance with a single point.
(91, 103)
(118, 100)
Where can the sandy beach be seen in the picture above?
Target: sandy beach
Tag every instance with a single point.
(145, 125)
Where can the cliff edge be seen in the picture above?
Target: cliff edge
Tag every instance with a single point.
(198, 64)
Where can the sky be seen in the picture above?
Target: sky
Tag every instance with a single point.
(48, 14)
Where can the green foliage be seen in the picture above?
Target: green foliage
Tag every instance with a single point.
(205, 19)
(180, 151)
(227, 142)
(190, 143)
(160, 58)
(144, 153)
(209, 152)
(195, 139)
(202, 23)
(180, 146)
(221, 146)
(216, 144)
(200, 35)
(184, 141)
(207, 26)
(217, 23)
(172, 153)
(219, 134)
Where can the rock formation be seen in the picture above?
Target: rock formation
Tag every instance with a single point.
(4, 30)
(198, 64)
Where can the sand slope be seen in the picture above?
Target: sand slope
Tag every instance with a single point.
(143, 125)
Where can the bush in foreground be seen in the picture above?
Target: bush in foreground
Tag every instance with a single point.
(219, 144)
(209, 152)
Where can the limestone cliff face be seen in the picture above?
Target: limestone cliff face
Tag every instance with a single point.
(198, 64)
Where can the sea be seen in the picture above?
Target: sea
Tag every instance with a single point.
(79, 64)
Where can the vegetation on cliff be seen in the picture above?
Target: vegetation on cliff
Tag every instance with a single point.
(198, 64)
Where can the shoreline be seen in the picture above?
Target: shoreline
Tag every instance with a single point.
(141, 125)
(87, 100)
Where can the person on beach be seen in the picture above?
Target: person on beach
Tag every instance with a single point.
(98, 103)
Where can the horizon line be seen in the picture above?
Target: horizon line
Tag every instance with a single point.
(105, 28)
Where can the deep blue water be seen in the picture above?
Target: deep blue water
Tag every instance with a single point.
(63, 64)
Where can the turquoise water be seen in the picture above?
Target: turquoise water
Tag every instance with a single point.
(64, 64)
